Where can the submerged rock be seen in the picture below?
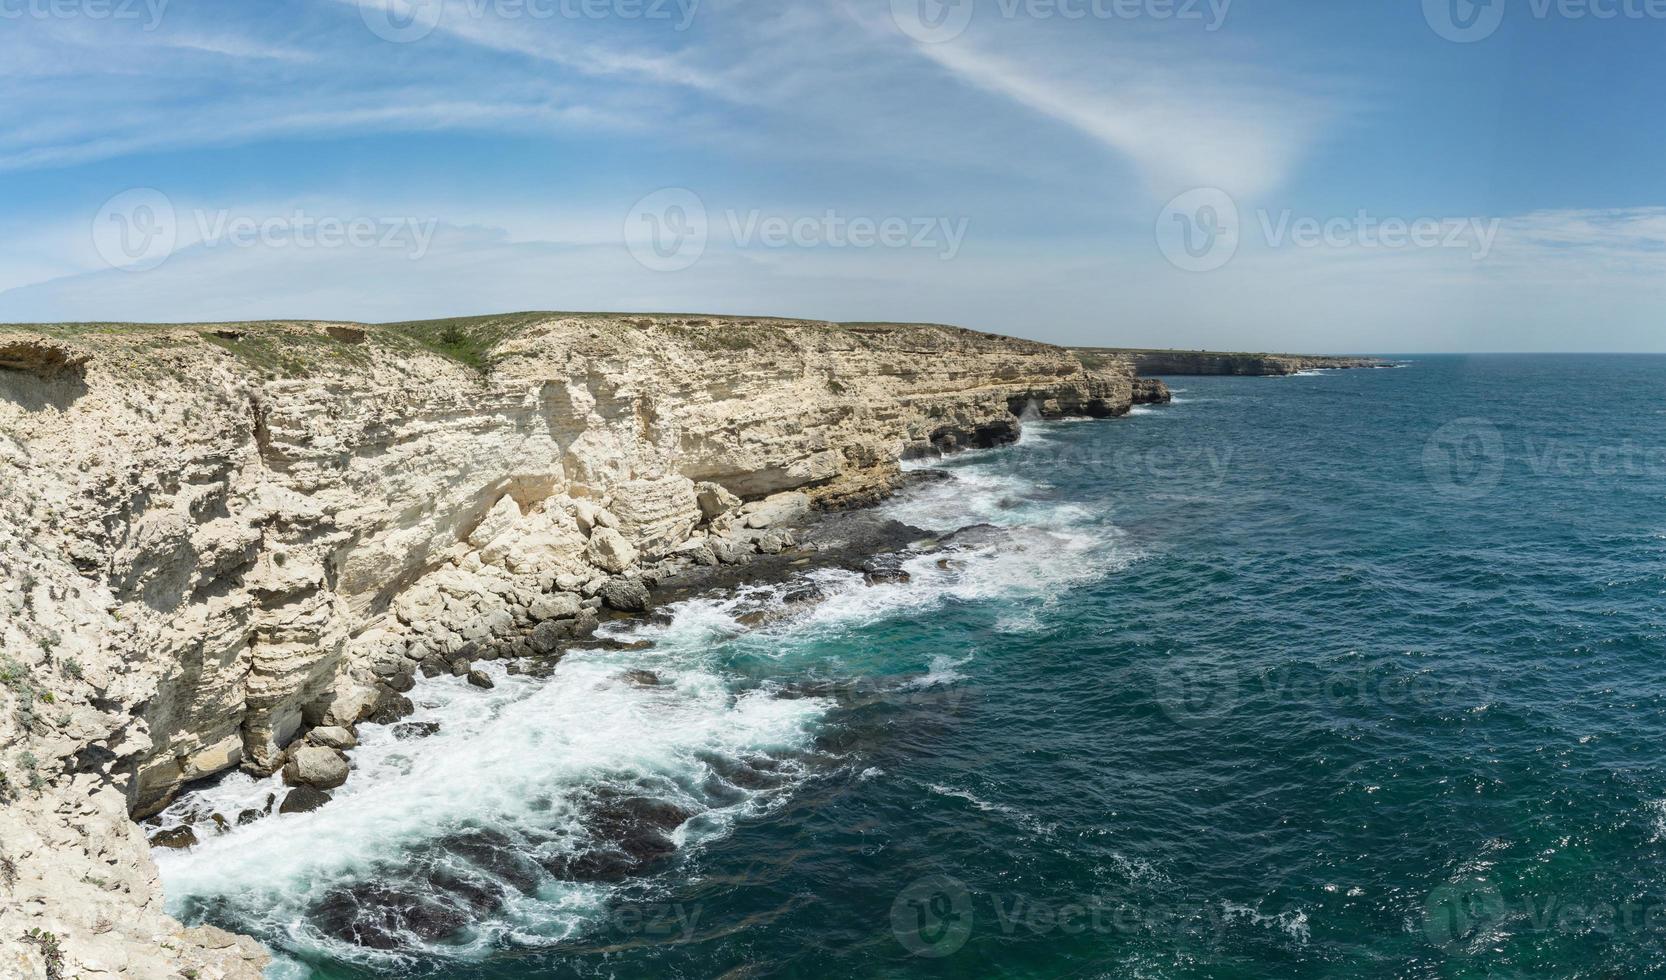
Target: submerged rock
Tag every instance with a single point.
(641, 678)
(885, 570)
(407, 731)
(626, 834)
(304, 799)
(390, 707)
(377, 916)
(178, 838)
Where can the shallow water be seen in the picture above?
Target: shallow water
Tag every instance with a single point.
(1356, 674)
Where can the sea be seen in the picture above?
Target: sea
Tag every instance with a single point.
(1347, 674)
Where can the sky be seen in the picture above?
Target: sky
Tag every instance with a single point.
(1306, 175)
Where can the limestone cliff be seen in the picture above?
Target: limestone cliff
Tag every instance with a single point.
(214, 538)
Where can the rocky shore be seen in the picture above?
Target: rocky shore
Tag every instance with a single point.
(1180, 362)
(223, 547)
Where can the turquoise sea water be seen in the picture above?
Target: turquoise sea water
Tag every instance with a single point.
(1360, 674)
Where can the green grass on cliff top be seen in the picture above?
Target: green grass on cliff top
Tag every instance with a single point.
(299, 348)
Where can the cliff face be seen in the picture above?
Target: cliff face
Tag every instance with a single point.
(1175, 362)
(214, 538)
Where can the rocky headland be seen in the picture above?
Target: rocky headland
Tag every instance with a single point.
(225, 546)
(1198, 362)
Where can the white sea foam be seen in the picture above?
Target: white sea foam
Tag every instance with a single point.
(515, 758)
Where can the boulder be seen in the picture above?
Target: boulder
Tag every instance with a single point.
(657, 515)
(609, 551)
(304, 799)
(626, 595)
(730, 552)
(481, 679)
(500, 518)
(782, 508)
(589, 516)
(561, 605)
(699, 553)
(334, 737)
(318, 766)
(714, 501)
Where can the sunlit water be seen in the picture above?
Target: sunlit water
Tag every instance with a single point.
(1355, 674)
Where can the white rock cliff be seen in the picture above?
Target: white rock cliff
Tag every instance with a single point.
(214, 539)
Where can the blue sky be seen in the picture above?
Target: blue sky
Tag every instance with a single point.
(1038, 167)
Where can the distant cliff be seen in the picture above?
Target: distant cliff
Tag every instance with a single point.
(1180, 362)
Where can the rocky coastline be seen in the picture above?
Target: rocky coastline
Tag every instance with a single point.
(225, 546)
(1201, 363)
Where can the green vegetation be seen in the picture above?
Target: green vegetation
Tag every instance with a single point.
(31, 765)
(17, 679)
(50, 950)
(467, 340)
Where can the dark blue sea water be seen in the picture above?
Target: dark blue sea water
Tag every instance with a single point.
(1360, 674)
